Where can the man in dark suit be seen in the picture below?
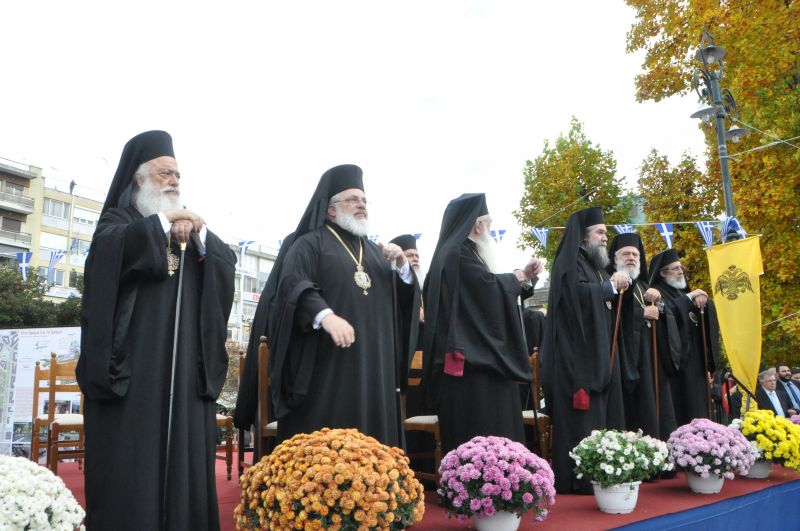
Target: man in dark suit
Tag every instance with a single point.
(792, 391)
(769, 397)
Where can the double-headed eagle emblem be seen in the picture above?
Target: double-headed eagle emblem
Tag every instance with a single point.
(733, 282)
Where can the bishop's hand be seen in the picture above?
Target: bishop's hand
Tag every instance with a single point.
(342, 333)
(621, 280)
(651, 313)
(393, 254)
(652, 295)
(699, 297)
(185, 214)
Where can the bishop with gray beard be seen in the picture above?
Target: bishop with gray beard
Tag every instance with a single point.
(696, 318)
(582, 387)
(645, 376)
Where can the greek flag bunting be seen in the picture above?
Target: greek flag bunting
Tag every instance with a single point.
(665, 230)
(417, 235)
(74, 246)
(497, 235)
(373, 238)
(244, 244)
(623, 229)
(55, 257)
(731, 224)
(706, 229)
(24, 260)
(541, 234)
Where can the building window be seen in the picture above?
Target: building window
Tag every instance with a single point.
(56, 277)
(12, 188)
(250, 284)
(12, 225)
(76, 280)
(57, 209)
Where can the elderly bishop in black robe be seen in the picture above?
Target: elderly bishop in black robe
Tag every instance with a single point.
(331, 320)
(475, 352)
(645, 376)
(581, 380)
(127, 332)
(696, 319)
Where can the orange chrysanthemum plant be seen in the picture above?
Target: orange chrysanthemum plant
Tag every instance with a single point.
(330, 479)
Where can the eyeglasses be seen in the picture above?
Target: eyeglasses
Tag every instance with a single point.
(166, 173)
(674, 269)
(352, 200)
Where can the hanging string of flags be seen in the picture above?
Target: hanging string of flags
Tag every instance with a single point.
(667, 230)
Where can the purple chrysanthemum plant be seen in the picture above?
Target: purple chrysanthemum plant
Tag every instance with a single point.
(710, 449)
(490, 474)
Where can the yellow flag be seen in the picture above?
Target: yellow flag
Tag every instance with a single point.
(735, 268)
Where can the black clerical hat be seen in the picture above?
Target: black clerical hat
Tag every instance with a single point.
(405, 241)
(660, 261)
(139, 149)
(335, 180)
(630, 239)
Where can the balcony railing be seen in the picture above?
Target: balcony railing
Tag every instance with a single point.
(26, 202)
(16, 237)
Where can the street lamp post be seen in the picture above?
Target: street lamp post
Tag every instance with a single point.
(720, 105)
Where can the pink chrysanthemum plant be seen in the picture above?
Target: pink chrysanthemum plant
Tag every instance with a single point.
(610, 457)
(490, 474)
(710, 449)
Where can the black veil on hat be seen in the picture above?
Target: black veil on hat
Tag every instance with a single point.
(335, 180)
(405, 241)
(628, 239)
(457, 222)
(139, 149)
(659, 262)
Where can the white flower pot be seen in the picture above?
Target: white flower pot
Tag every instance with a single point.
(761, 469)
(617, 499)
(710, 485)
(499, 521)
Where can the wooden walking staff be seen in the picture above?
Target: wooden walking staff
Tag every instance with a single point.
(655, 368)
(705, 361)
(616, 328)
(172, 387)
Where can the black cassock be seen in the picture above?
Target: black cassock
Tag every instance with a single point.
(571, 364)
(487, 331)
(689, 384)
(640, 382)
(125, 367)
(316, 384)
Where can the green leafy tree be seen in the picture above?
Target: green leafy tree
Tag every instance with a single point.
(568, 176)
(680, 193)
(22, 303)
(763, 72)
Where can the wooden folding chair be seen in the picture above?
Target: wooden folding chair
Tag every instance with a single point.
(544, 428)
(265, 429)
(61, 379)
(425, 423)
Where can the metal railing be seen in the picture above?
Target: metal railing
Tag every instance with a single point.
(14, 198)
(16, 237)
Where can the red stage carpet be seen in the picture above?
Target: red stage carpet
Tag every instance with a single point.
(569, 512)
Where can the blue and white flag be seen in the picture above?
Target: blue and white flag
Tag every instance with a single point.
(74, 247)
(706, 229)
(280, 243)
(623, 229)
(417, 235)
(665, 230)
(731, 224)
(24, 260)
(541, 234)
(497, 235)
(373, 238)
(55, 257)
(244, 244)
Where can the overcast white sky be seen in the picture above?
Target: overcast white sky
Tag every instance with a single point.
(431, 99)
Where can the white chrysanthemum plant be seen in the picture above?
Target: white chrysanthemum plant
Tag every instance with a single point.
(610, 457)
(33, 498)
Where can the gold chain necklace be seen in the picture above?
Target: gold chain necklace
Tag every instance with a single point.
(360, 277)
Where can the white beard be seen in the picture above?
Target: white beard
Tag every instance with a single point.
(676, 283)
(632, 271)
(486, 250)
(150, 200)
(347, 221)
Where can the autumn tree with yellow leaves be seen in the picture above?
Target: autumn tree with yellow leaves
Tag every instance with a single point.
(762, 70)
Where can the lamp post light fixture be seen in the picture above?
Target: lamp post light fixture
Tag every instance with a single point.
(718, 104)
